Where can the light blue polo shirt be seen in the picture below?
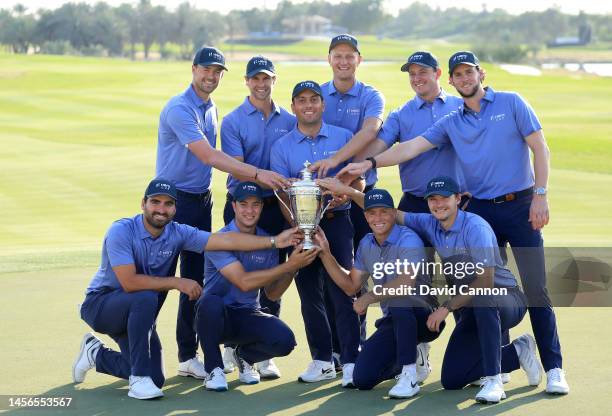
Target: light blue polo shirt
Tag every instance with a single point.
(411, 120)
(127, 241)
(215, 283)
(491, 144)
(291, 151)
(402, 243)
(185, 119)
(246, 133)
(351, 109)
(469, 237)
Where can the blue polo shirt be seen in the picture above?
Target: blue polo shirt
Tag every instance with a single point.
(351, 109)
(470, 237)
(491, 144)
(215, 283)
(411, 120)
(246, 133)
(402, 243)
(127, 241)
(185, 119)
(291, 151)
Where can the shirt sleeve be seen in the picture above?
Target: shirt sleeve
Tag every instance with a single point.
(119, 245)
(412, 249)
(526, 119)
(231, 143)
(358, 264)
(375, 105)
(184, 124)
(220, 259)
(390, 130)
(481, 242)
(437, 134)
(192, 238)
(278, 163)
(420, 223)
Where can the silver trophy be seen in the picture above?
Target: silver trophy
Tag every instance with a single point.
(306, 205)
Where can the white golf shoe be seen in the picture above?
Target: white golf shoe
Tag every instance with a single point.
(228, 360)
(556, 382)
(192, 368)
(86, 359)
(347, 375)
(143, 388)
(407, 384)
(216, 381)
(492, 390)
(246, 372)
(526, 350)
(318, 371)
(505, 377)
(268, 369)
(423, 367)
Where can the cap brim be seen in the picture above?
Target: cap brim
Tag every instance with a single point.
(443, 193)
(406, 66)
(304, 89)
(162, 193)
(461, 63)
(345, 42)
(213, 63)
(259, 71)
(378, 205)
(243, 197)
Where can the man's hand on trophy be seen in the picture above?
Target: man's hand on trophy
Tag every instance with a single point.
(271, 179)
(290, 237)
(338, 200)
(323, 166)
(333, 186)
(353, 171)
(321, 241)
(300, 258)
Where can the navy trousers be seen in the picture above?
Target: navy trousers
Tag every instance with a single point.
(194, 210)
(509, 221)
(392, 346)
(475, 347)
(272, 222)
(257, 336)
(128, 318)
(313, 280)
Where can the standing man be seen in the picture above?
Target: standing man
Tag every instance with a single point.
(492, 134)
(126, 294)
(185, 155)
(313, 140)
(247, 134)
(229, 309)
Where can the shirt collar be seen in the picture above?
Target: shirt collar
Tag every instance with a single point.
(142, 231)
(323, 132)
(249, 108)
(196, 99)
(489, 96)
(391, 239)
(458, 224)
(354, 91)
(421, 102)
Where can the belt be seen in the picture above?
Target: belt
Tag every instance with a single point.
(192, 195)
(510, 196)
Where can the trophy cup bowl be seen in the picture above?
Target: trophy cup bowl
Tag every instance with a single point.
(305, 205)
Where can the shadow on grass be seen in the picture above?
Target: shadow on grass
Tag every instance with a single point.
(186, 396)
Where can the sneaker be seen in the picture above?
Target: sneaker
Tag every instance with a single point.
(268, 370)
(526, 350)
(86, 360)
(492, 390)
(347, 375)
(228, 360)
(337, 362)
(192, 368)
(215, 381)
(505, 377)
(407, 383)
(423, 367)
(246, 372)
(556, 382)
(143, 388)
(317, 371)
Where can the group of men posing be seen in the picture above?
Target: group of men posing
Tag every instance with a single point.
(469, 189)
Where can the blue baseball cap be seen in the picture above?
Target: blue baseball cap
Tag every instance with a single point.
(422, 58)
(375, 198)
(346, 39)
(259, 64)
(160, 186)
(441, 185)
(306, 85)
(463, 57)
(209, 55)
(247, 189)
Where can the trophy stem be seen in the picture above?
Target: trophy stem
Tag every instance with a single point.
(308, 243)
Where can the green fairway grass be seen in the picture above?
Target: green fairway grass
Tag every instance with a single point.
(78, 147)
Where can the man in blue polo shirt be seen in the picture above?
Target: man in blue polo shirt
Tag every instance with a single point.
(185, 155)
(492, 134)
(247, 134)
(126, 294)
(392, 350)
(309, 141)
(229, 310)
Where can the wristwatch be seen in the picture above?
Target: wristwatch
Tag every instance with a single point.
(273, 242)
(540, 190)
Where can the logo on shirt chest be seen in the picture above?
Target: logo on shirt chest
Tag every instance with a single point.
(165, 253)
(258, 258)
(281, 131)
(498, 117)
(353, 111)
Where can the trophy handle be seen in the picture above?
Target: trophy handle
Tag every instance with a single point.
(324, 209)
(285, 205)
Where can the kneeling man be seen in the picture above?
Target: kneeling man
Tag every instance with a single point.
(229, 311)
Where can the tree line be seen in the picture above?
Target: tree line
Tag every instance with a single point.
(100, 29)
